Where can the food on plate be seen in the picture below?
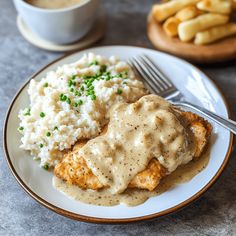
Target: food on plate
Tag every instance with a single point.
(216, 33)
(215, 6)
(135, 151)
(233, 4)
(72, 103)
(186, 19)
(108, 140)
(188, 13)
(188, 29)
(171, 26)
(162, 11)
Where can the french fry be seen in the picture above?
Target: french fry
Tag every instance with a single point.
(233, 2)
(215, 33)
(215, 6)
(188, 29)
(171, 26)
(162, 11)
(188, 13)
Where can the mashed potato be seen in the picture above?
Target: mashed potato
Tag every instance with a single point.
(73, 103)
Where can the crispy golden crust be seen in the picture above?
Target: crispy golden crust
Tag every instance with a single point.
(75, 170)
(201, 131)
(150, 177)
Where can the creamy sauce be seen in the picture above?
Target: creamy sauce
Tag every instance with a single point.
(53, 4)
(137, 132)
(133, 197)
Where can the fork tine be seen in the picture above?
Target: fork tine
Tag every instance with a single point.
(157, 71)
(154, 76)
(135, 65)
(151, 76)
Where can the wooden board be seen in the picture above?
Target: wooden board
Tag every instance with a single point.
(217, 52)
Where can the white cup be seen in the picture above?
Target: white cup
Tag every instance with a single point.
(61, 26)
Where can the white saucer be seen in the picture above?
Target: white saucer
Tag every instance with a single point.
(94, 35)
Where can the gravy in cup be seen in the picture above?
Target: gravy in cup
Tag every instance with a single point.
(53, 4)
(58, 21)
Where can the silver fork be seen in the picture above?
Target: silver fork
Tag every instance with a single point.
(159, 84)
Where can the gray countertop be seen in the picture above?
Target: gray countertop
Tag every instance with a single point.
(213, 214)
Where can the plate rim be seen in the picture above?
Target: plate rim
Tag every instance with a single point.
(100, 220)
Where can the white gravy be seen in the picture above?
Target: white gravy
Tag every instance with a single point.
(149, 128)
(133, 197)
(53, 4)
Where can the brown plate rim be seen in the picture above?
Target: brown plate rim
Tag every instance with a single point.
(97, 219)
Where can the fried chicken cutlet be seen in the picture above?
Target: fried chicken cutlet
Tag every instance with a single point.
(74, 170)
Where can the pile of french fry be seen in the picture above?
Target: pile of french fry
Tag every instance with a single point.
(197, 21)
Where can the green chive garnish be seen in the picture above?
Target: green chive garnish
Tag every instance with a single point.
(48, 134)
(63, 97)
(40, 145)
(27, 113)
(73, 77)
(45, 167)
(77, 93)
(45, 85)
(21, 128)
(42, 114)
(55, 128)
(119, 91)
(103, 68)
(93, 63)
(93, 97)
(68, 100)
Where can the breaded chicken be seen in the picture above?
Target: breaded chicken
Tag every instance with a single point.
(75, 170)
(201, 130)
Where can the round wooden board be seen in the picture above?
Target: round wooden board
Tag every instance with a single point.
(217, 52)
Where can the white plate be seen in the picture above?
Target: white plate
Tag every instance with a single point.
(195, 85)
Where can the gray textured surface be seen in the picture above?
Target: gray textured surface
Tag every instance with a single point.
(213, 214)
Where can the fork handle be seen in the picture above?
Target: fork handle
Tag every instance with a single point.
(226, 123)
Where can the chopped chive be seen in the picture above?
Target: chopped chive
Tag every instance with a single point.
(45, 167)
(63, 97)
(93, 97)
(119, 91)
(40, 145)
(80, 102)
(27, 113)
(103, 68)
(89, 84)
(48, 134)
(21, 128)
(82, 88)
(73, 77)
(72, 90)
(55, 128)
(68, 100)
(45, 85)
(93, 63)
(70, 83)
(42, 114)
(77, 93)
